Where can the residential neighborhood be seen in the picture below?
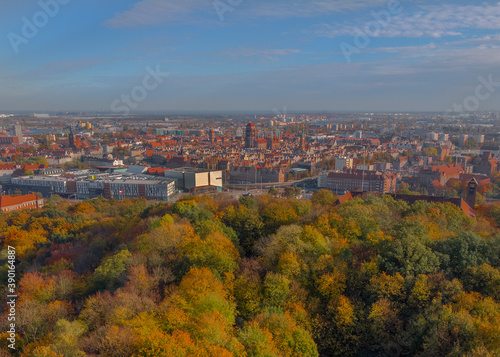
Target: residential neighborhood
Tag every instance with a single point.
(160, 158)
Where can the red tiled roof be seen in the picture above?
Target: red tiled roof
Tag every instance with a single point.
(465, 178)
(345, 198)
(436, 183)
(467, 209)
(32, 167)
(156, 170)
(6, 201)
(7, 167)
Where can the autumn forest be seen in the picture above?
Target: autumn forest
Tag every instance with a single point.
(254, 277)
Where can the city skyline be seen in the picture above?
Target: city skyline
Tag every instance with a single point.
(249, 56)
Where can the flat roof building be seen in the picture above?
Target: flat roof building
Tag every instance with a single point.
(196, 180)
(94, 185)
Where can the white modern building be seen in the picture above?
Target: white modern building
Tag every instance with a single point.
(196, 180)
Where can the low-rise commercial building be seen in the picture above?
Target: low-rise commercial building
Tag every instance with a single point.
(354, 180)
(196, 180)
(96, 185)
(256, 174)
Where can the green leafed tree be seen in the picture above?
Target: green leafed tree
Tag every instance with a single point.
(408, 253)
(323, 197)
(111, 273)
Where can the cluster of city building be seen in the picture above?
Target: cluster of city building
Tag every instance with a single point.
(155, 158)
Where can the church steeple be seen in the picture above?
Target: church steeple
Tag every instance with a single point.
(303, 138)
(71, 138)
(471, 193)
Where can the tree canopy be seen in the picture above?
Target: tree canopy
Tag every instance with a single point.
(260, 276)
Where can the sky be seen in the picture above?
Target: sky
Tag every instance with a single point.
(161, 56)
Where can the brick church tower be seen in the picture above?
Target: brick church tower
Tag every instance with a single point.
(471, 193)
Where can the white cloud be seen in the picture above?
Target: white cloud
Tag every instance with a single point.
(156, 12)
(302, 8)
(269, 54)
(430, 21)
(488, 39)
(160, 12)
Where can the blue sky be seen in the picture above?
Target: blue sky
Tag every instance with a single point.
(249, 55)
